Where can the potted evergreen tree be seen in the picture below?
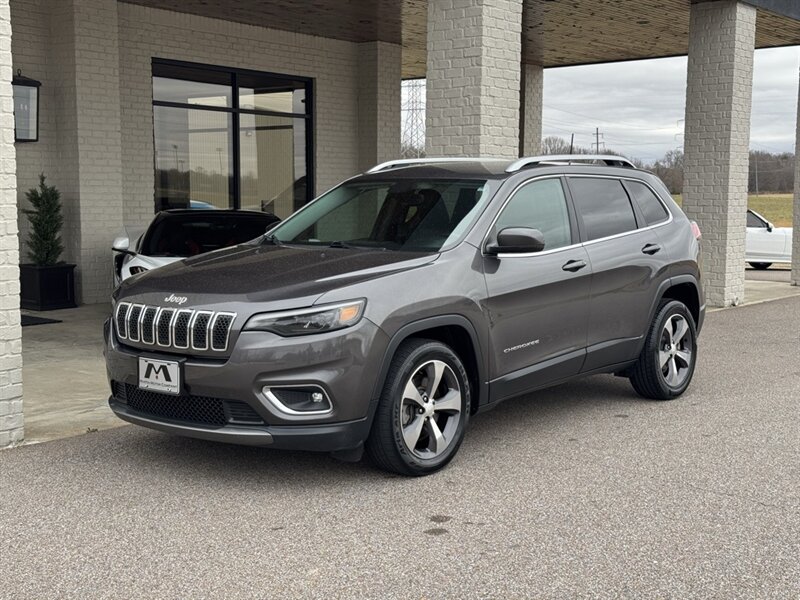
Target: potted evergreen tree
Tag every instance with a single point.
(47, 283)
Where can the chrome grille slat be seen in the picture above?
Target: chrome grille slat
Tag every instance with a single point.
(174, 328)
(121, 320)
(134, 321)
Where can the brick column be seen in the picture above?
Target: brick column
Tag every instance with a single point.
(11, 430)
(796, 210)
(531, 110)
(717, 137)
(379, 84)
(85, 55)
(473, 80)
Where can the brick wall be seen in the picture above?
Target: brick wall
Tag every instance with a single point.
(531, 115)
(718, 99)
(145, 33)
(473, 80)
(11, 430)
(379, 102)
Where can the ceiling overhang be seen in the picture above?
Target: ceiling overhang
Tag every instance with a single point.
(555, 33)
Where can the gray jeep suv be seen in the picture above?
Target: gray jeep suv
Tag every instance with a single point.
(392, 308)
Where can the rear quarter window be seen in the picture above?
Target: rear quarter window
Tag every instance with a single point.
(603, 206)
(649, 205)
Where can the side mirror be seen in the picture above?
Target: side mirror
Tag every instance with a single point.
(770, 227)
(122, 244)
(517, 240)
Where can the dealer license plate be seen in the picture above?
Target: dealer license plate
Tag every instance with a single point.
(160, 375)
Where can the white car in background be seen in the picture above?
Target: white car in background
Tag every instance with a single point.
(766, 244)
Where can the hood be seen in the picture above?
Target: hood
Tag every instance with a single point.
(269, 273)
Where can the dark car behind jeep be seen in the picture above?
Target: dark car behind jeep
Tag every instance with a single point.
(392, 308)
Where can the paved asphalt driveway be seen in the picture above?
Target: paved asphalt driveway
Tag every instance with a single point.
(583, 490)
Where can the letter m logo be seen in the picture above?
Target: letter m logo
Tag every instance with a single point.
(157, 372)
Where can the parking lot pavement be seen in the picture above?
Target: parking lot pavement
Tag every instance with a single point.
(581, 490)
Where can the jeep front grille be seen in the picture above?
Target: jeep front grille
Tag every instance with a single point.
(173, 328)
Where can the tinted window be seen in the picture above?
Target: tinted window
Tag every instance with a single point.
(754, 221)
(539, 205)
(649, 205)
(603, 205)
(418, 215)
(189, 235)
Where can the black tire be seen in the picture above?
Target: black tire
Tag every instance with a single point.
(647, 376)
(761, 266)
(386, 445)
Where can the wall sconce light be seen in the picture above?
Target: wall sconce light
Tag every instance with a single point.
(26, 108)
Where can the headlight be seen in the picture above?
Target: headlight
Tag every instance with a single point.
(318, 319)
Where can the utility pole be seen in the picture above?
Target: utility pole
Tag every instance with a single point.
(597, 136)
(755, 154)
(571, 143)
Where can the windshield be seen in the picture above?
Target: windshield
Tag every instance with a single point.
(191, 234)
(394, 215)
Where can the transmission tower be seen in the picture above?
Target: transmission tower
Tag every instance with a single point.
(413, 115)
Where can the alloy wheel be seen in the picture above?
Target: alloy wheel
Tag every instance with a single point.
(676, 351)
(430, 410)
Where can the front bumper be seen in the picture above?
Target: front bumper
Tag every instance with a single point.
(331, 437)
(344, 364)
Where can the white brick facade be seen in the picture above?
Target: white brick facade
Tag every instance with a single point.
(11, 431)
(796, 209)
(473, 80)
(531, 116)
(379, 89)
(718, 100)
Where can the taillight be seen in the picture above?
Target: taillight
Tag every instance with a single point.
(696, 231)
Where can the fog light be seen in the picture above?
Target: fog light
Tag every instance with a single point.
(299, 400)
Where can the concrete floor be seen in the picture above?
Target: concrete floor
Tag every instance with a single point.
(580, 491)
(64, 373)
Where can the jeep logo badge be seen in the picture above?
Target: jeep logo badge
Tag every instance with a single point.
(179, 300)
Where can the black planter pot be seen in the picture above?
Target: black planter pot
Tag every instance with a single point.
(47, 288)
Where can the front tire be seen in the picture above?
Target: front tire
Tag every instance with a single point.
(761, 266)
(423, 410)
(666, 364)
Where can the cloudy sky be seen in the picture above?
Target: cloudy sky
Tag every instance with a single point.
(639, 106)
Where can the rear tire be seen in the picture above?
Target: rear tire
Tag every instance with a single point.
(423, 410)
(666, 364)
(761, 266)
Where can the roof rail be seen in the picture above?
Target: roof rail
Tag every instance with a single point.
(405, 162)
(610, 160)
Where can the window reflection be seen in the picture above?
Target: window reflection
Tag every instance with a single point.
(211, 153)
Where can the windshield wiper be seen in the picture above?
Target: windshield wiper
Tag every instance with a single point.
(348, 245)
(271, 239)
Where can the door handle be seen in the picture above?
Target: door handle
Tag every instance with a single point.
(573, 265)
(651, 249)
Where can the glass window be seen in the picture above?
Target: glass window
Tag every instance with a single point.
(189, 234)
(393, 214)
(603, 206)
(650, 206)
(539, 205)
(273, 163)
(265, 93)
(754, 221)
(193, 157)
(220, 144)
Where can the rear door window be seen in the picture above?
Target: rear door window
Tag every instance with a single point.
(650, 206)
(603, 206)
